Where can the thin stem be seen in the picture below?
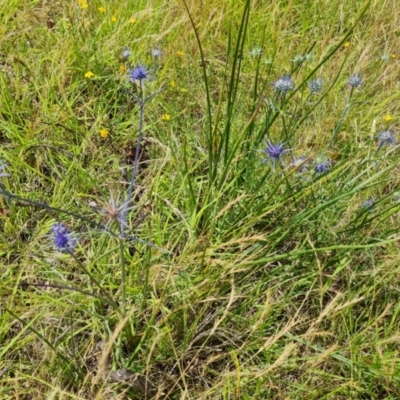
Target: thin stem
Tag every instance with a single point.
(107, 299)
(123, 275)
(136, 162)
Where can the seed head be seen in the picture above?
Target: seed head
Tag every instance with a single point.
(64, 241)
(283, 84)
(355, 80)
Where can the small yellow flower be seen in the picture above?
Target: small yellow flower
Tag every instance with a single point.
(183, 90)
(114, 18)
(172, 83)
(102, 9)
(166, 117)
(347, 44)
(180, 53)
(132, 20)
(89, 74)
(393, 55)
(83, 3)
(122, 68)
(387, 117)
(103, 132)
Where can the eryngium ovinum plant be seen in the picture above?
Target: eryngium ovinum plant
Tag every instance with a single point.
(67, 241)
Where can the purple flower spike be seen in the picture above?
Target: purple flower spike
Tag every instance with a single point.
(139, 73)
(64, 241)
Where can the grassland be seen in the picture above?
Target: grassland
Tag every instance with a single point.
(250, 276)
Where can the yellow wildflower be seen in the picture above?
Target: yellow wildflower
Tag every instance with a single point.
(183, 90)
(172, 83)
(89, 74)
(347, 44)
(393, 55)
(180, 53)
(166, 117)
(103, 132)
(387, 117)
(132, 20)
(122, 68)
(83, 3)
(102, 9)
(114, 18)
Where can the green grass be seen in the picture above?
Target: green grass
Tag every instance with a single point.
(261, 282)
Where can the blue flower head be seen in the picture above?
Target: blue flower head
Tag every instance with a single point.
(138, 73)
(321, 165)
(64, 241)
(355, 80)
(315, 85)
(274, 152)
(386, 138)
(284, 84)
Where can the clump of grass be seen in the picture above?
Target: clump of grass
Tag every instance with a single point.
(233, 236)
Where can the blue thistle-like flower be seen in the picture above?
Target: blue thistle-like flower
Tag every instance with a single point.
(126, 53)
(139, 73)
(274, 152)
(322, 164)
(315, 85)
(63, 239)
(355, 80)
(2, 168)
(386, 137)
(284, 84)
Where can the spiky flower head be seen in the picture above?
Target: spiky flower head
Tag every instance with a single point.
(284, 84)
(126, 53)
(64, 241)
(138, 73)
(321, 165)
(156, 52)
(300, 164)
(255, 51)
(368, 204)
(315, 85)
(274, 152)
(2, 168)
(355, 80)
(386, 137)
(114, 210)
